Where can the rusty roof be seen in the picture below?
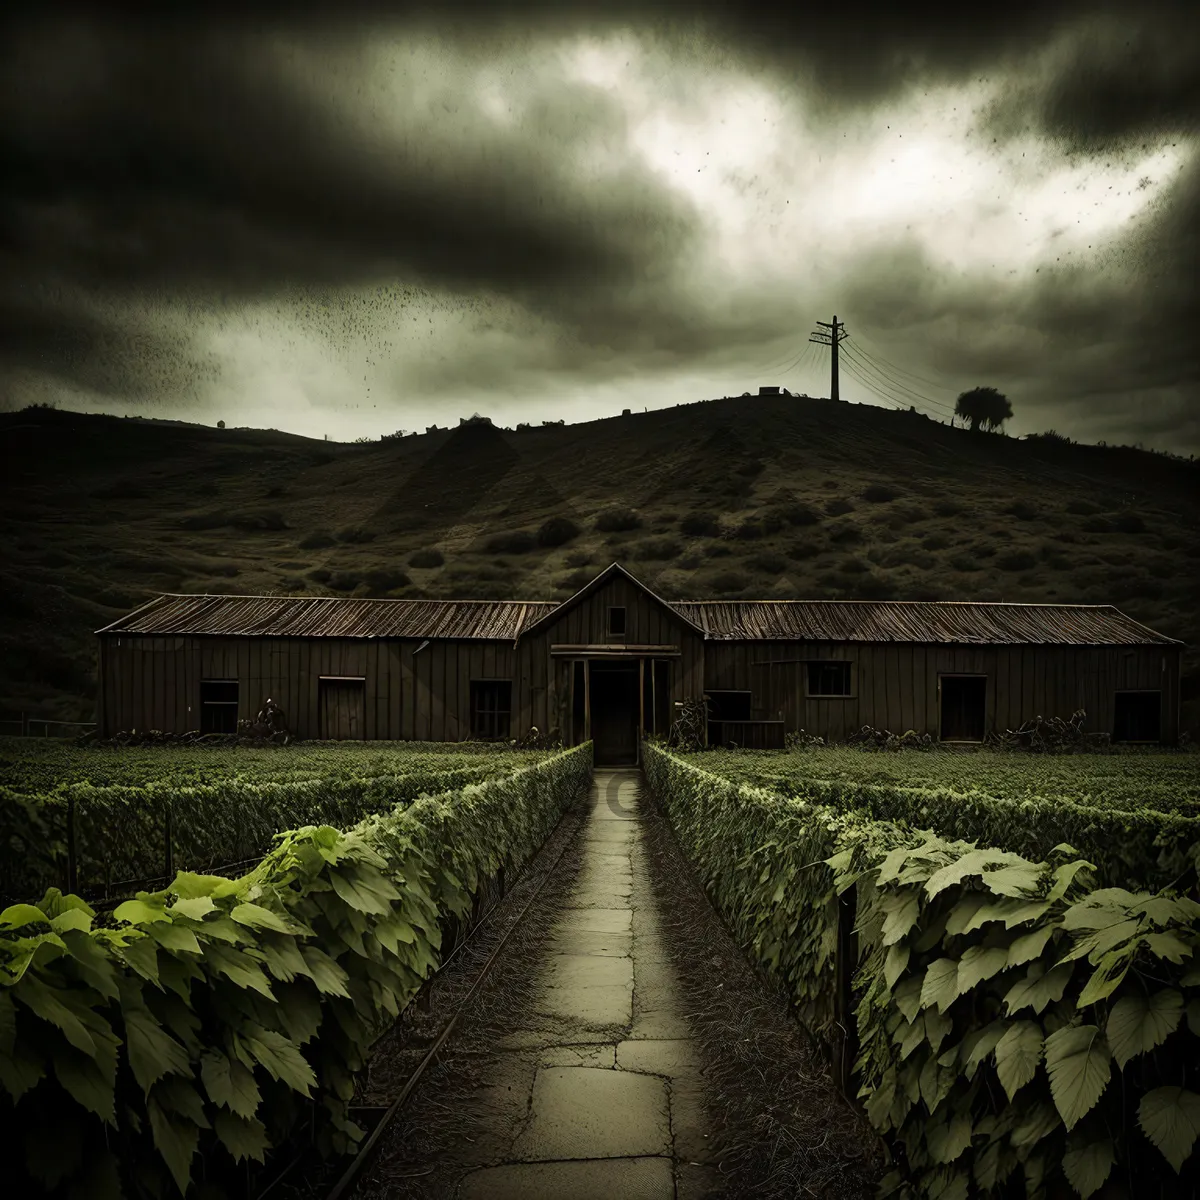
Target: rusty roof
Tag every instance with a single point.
(958, 622)
(952, 621)
(331, 616)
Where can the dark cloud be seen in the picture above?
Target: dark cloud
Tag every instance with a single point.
(183, 156)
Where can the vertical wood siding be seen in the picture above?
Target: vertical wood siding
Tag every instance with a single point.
(154, 682)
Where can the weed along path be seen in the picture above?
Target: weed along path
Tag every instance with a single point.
(583, 1079)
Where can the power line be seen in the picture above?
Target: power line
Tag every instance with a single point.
(877, 357)
(868, 365)
(872, 388)
(880, 389)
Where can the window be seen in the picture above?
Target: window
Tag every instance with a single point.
(218, 705)
(1136, 716)
(728, 705)
(616, 622)
(491, 708)
(829, 679)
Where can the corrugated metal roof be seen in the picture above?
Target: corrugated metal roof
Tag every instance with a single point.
(979, 622)
(960, 622)
(331, 616)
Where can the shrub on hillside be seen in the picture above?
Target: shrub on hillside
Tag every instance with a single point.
(1082, 508)
(768, 562)
(657, 549)
(748, 530)
(717, 550)
(845, 533)
(965, 562)
(618, 520)
(315, 541)
(557, 531)
(344, 581)
(426, 558)
(880, 493)
(800, 551)
(578, 558)
(700, 524)
(1128, 522)
(725, 583)
(572, 582)
(839, 507)
(515, 541)
(799, 514)
(320, 574)
(1016, 560)
(947, 508)
(385, 579)
(935, 541)
(355, 536)
(1022, 510)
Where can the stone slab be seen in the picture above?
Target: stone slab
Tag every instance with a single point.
(595, 920)
(658, 1024)
(584, 1112)
(599, 1004)
(600, 1054)
(588, 970)
(612, 1179)
(659, 1056)
(590, 941)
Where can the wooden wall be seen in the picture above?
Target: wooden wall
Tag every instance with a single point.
(154, 682)
(896, 686)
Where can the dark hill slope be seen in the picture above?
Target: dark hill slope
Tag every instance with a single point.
(739, 497)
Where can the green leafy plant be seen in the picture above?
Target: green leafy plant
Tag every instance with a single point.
(202, 1023)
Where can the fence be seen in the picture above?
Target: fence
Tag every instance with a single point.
(27, 726)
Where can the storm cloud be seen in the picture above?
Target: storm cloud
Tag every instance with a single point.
(355, 222)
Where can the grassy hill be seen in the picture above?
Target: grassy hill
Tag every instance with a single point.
(747, 497)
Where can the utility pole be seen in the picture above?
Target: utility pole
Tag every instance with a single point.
(836, 334)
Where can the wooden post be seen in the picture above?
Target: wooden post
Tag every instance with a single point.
(653, 696)
(846, 1048)
(587, 699)
(641, 707)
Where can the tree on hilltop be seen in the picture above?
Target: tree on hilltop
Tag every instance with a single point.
(983, 405)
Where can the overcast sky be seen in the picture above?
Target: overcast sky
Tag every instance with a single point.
(350, 224)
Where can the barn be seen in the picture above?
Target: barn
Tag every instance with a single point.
(615, 658)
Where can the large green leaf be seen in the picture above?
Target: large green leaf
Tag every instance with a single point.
(971, 863)
(257, 917)
(359, 896)
(1088, 1165)
(1036, 1122)
(1079, 1064)
(62, 1008)
(140, 912)
(16, 916)
(1138, 1023)
(902, 910)
(1018, 1053)
(1029, 945)
(175, 936)
(176, 1140)
(946, 1140)
(280, 1058)
(153, 1052)
(1170, 1118)
(1019, 880)
(941, 984)
(1106, 978)
(230, 1083)
(1168, 945)
(89, 1079)
(1099, 909)
(195, 908)
(326, 973)
(243, 1137)
(979, 963)
(236, 966)
(894, 963)
(1039, 988)
(978, 1044)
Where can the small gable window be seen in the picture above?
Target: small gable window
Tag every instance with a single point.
(616, 622)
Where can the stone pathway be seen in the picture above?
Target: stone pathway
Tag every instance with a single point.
(596, 1092)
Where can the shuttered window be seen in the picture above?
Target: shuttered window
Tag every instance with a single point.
(491, 709)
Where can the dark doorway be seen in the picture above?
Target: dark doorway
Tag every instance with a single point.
(725, 706)
(343, 705)
(1137, 717)
(218, 705)
(614, 712)
(964, 704)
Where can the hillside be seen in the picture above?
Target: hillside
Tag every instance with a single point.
(757, 497)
